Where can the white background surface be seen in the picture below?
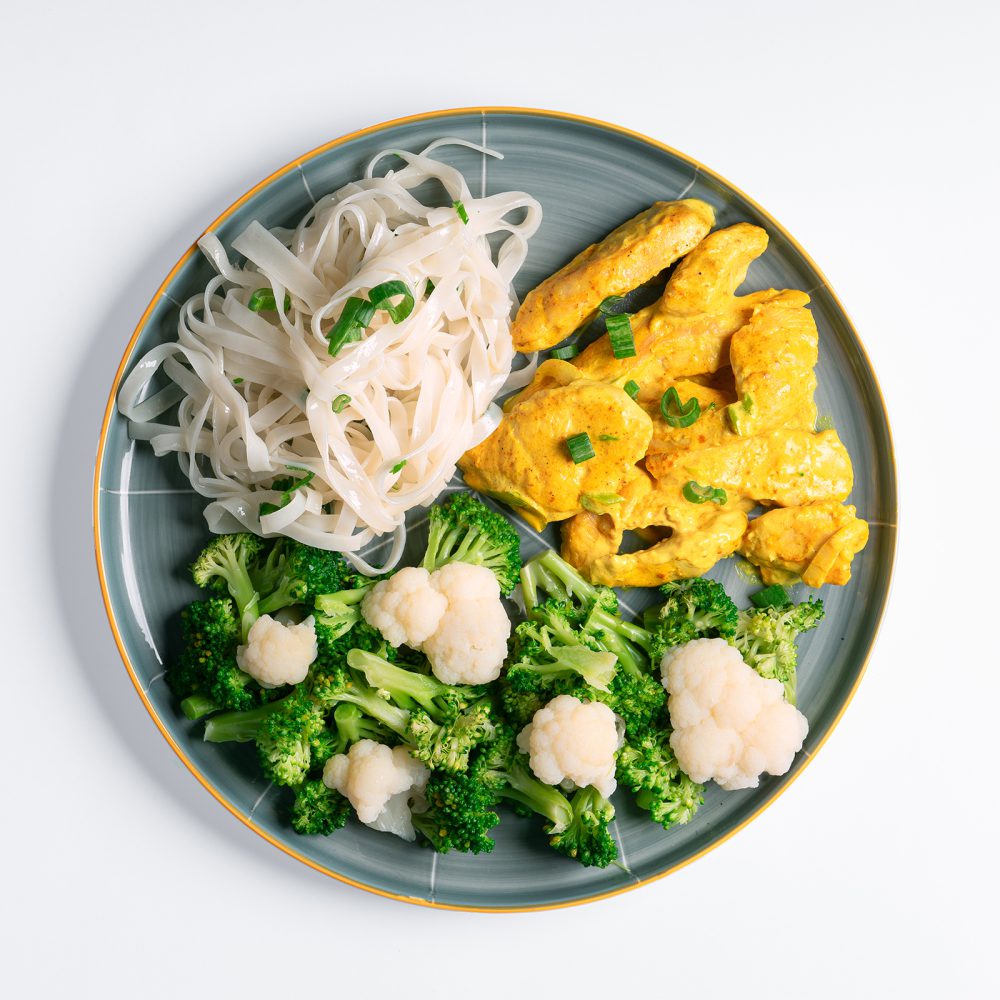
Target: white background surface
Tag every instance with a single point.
(868, 129)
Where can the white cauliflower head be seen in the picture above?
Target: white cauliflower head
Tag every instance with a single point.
(277, 654)
(470, 642)
(575, 741)
(406, 609)
(730, 724)
(380, 783)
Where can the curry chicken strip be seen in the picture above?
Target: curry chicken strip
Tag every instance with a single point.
(635, 252)
(814, 543)
(526, 462)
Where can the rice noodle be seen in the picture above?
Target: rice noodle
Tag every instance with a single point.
(254, 390)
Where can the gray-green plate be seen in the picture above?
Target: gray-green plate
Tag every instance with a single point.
(589, 177)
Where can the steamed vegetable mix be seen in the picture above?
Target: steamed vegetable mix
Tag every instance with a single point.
(410, 702)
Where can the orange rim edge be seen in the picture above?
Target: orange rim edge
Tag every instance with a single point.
(110, 408)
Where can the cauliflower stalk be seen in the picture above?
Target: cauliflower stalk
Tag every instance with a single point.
(730, 724)
(277, 654)
(453, 615)
(574, 742)
(381, 783)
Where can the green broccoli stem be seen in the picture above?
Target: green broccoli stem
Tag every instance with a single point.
(621, 638)
(404, 686)
(378, 708)
(522, 787)
(239, 727)
(552, 574)
(197, 706)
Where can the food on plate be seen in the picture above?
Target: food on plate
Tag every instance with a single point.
(727, 382)
(635, 252)
(373, 727)
(330, 383)
(730, 724)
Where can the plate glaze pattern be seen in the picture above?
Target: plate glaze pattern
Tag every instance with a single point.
(589, 177)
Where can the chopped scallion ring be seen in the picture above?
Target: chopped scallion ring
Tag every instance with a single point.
(356, 315)
(398, 467)
(567, 352)
(237, 381)
(631, 387)
(379, 297)
(340, 402)
(611, 305)
(774, 596)
(288, 486)
(620, 335)
(462, 213)
(696, 493)
(677, 414)
(595, 502)
(580, 448)
(263, 300)
(607, 437)
(429, 287)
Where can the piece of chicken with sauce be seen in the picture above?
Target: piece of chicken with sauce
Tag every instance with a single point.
(635, 252)
(526, 462)
(814, 543)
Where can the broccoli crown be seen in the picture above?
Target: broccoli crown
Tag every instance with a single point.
(765, 638)
(284, 739)
(548, 574)
(334, 642)
(225, 565)
(318, 809)
(301, 574)
(463, 529)
(460, 813)
(694, 609)
(447, 746)
(638, 701)
(551, 647)
(586, 838)
(648, 767)
(323, 745)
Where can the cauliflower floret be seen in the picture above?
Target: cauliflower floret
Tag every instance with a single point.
(406, 609)
(575, 741)
(277, 654)
(380, 783)
(470, 642)
(729, 723)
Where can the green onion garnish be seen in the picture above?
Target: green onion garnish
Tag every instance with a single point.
(263, 300)
(567, 352)
(677, 414)
(608, 437)
(237, 381)
(620, 335)
(379, 297)
(611, 305)
(580, 448)
(356, 315)
(288, 486)
(696, 493)
(398, 467)
(595, 501)
(774, 596)
(430, 287)
(462, 214)
(735, 412)
(340, 402)
(632, 388)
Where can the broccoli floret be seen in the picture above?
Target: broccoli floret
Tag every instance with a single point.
(765, 638)
(302, 574)
(548, 574)
(318, 809)
(463, 529)
(239, 727)
(647, 766)
(225, 566)
(284, 738)
(694, 609)
(638, 701)
(460, 813)
(586, 838)
(351, 725)
(322, 746)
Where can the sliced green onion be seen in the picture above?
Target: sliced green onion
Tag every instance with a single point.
(608, 437)
(677, 414)
(696, 493)
(736, 411)
(620, 335)
(462, 214)
(567, 352)
(288, 486)
(268, 508)
(379, 296)
(594, 502)
(824, 423)
(340, 402)
(611, 305)
(430, 286)
(398, 467)
(632, 388)
(580, 448)
(237, 381)
(774, 596)
(711, 406)
(356, 315)
(263, 300)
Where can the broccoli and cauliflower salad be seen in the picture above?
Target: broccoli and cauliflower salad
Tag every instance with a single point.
(414, 704)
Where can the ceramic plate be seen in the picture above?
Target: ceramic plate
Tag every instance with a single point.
(589, 177)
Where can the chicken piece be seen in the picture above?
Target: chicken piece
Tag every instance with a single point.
(711, 427)
(688, 331)
(548, 375)
(782, 468)
(773, 359)
(699, 536)
(635, 252)
(815, 543)
(525, 462)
